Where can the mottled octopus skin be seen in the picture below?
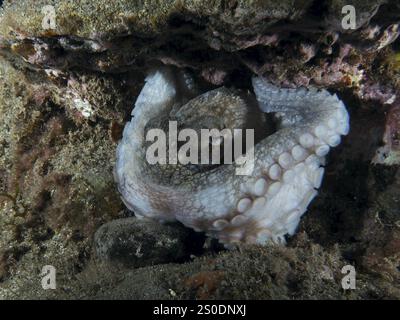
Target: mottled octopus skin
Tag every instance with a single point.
(258, 208)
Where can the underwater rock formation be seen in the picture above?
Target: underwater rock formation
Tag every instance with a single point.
(135, 243)
(67, 91)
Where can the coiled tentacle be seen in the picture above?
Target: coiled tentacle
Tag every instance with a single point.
(266, 204)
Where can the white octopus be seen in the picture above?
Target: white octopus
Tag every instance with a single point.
(258, 208)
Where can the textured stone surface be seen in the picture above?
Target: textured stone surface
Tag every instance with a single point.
(137, 243)
(65, 95)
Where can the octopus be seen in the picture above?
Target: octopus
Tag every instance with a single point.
(294, 129)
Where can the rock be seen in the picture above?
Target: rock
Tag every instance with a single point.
(134, 243)
(66, 93)
(305, 272)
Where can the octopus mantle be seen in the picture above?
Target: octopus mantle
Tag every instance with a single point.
(264, 206)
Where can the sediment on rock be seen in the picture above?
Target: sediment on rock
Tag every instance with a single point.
(66, 93)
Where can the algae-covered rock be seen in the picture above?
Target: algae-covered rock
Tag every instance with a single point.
(254, 273)
(306, 271)
(67, 87)
(137, 243)
(56, 180)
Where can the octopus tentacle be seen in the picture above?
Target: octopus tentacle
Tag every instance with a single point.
(256, 208)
